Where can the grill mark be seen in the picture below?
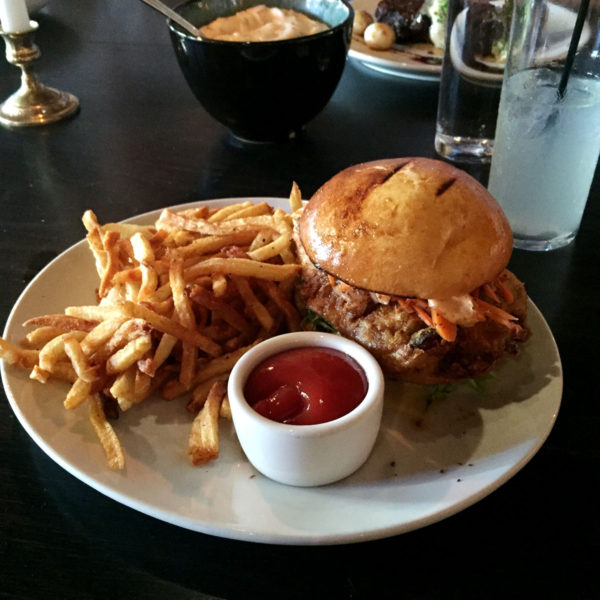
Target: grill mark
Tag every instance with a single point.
(447, 184)
(356, 199)
(394, 171)
(361, 194)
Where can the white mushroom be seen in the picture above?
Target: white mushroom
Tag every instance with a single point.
(379, 36)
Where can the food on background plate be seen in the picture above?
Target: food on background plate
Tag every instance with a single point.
(437, 11)
(415, 21)
(379, 36)
(409, 22)
(179, 302)
(263, 24)
(408, 257)
(418, 22)
(406, 19)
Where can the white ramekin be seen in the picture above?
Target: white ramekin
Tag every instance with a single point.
(307, 455)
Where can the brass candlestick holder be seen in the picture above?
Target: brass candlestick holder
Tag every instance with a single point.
(33, 103)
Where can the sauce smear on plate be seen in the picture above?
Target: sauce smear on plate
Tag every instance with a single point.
(306, 386)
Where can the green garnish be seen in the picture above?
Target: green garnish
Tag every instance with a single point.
(317, 322)
(480, 385)
(442, 10)
(441, 391)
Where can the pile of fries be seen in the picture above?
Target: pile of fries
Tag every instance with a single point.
(179, 302)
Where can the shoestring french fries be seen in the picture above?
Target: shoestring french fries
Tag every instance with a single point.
(178, 303)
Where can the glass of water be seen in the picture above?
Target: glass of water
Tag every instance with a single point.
(471, 79)
(548, 131)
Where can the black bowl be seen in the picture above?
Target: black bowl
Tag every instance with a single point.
(264, 91)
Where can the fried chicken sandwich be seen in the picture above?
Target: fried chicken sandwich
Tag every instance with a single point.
(408, 257)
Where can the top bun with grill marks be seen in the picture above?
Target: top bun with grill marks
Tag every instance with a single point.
(406, 227)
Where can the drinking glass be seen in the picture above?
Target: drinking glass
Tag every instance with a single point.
(548, 132)
(471, 79)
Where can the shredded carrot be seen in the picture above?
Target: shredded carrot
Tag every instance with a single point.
(494, 312)
(489, 290)
(404, 304)
(506, 293)
(331, 280)
(445, 328)
(341, 286)
(424, 315)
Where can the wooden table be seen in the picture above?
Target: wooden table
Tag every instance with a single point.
(140, 142)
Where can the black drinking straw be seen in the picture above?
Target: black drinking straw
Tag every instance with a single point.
(581, 14)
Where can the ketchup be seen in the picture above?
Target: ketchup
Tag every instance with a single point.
(305, 386)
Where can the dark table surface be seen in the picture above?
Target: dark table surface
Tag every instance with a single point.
(141, 142)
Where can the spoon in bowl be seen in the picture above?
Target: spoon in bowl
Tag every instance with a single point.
(174, 16)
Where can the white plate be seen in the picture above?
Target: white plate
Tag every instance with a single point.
(427, 464)
(414, 61)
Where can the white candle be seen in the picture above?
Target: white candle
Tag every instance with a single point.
(13, 16)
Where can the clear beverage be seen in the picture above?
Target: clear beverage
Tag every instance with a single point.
(545, 155)
(466, 121)
(471, 80)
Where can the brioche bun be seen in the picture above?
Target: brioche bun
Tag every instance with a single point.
(406, 227)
